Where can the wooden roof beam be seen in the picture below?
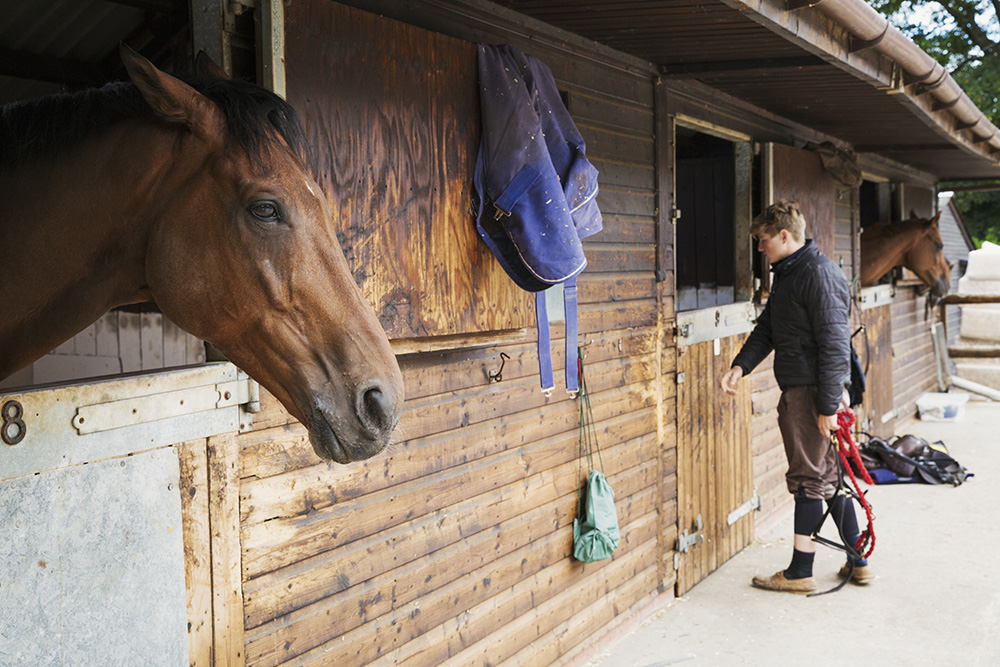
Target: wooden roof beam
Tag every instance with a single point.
(687, 70)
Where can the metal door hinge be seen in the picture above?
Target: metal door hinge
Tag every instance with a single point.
(754, 504)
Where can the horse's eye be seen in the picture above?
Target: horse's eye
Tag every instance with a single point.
(266, 211)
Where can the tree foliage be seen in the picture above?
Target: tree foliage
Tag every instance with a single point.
(964, 36)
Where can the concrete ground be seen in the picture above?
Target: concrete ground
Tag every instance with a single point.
(935, 601)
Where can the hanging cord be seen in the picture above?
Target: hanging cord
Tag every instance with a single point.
(847, 451)
(588, 435)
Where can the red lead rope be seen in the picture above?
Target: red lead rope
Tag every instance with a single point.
(847, 448)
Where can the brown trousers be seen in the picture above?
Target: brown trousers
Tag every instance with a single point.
(812, 460)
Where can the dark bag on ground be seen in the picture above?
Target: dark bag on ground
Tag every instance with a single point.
(909, 458)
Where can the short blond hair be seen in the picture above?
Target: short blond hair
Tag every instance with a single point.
(783, 214)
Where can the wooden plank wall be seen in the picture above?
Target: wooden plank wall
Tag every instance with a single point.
(124, 340)
(454, 548)
(912, 350)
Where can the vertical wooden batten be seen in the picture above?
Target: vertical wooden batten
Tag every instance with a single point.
(272, 47)
(224, 524)
(194, 488)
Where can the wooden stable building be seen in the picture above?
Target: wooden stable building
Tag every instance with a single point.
(454, 547)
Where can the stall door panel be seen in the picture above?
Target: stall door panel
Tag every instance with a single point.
(879, 413)
(798, 174)
(714, 474)
(93, 554)
(92, 565)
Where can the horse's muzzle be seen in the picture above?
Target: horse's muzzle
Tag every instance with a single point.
(940, 288)
(342, 436)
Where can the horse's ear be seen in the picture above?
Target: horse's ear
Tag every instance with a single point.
(171, 99)
(934, 221)
(913, 214)
(206, 67)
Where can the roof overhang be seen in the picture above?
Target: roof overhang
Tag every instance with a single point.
(835, 66)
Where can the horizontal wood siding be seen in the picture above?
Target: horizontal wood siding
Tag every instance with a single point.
(912, 350)
(769, 465)
(455, 546)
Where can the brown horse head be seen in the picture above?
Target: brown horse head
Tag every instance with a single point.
(926, 257)
(915, 243)
(244, 254)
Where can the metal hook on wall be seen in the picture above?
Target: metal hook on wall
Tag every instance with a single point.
(497, 375)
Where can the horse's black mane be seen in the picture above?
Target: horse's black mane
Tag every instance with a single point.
(42, 128)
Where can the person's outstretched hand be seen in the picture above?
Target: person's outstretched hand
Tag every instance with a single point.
(730, 379)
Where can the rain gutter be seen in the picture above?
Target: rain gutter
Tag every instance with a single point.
(871, 30)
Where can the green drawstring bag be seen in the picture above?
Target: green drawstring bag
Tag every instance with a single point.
(595, 533)
(595, 528)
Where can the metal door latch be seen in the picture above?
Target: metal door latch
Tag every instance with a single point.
(688, 539)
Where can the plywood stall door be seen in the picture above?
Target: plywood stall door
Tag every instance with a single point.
(714, 462)
(798, 174)
(879, 400)
(393, 115)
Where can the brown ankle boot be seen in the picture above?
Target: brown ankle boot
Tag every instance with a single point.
(862, 575)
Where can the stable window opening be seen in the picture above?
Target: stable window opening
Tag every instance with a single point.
(713, 177)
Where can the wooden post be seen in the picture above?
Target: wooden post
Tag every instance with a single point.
(272, 48)
(664, 146)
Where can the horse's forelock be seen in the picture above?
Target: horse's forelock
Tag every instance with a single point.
(256, 118)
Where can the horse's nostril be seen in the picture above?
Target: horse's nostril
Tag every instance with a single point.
(377, 410)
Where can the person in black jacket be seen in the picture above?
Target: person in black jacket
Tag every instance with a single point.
(806, 323)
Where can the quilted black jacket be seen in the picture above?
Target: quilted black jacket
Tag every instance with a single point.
(806, 323)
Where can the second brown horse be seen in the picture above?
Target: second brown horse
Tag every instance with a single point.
(915, 243)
